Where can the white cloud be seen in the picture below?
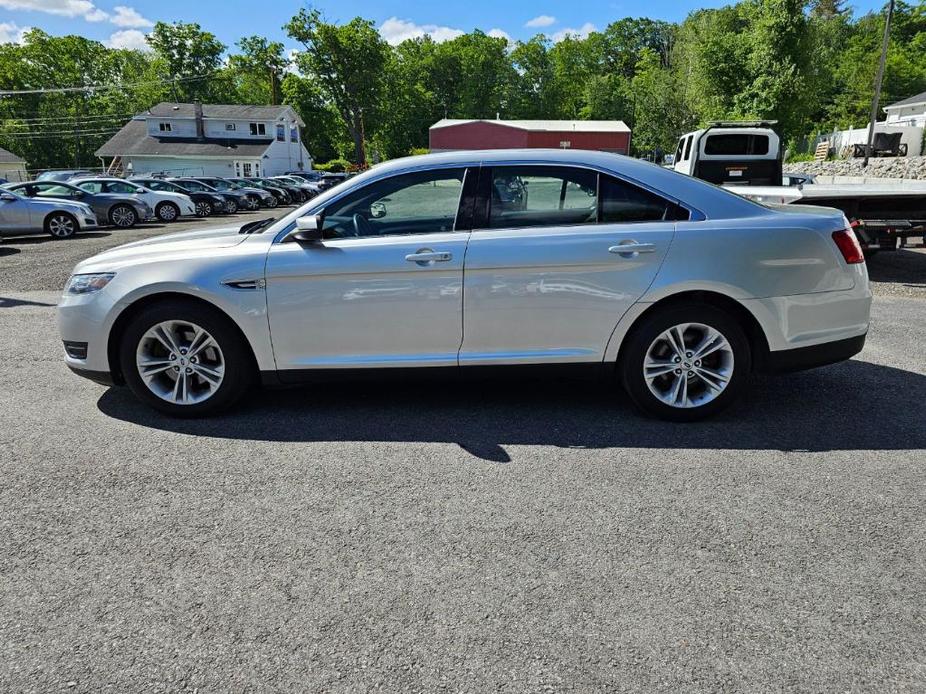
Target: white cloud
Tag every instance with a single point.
(499, 34)
(543, 20)
(581, 33)
(132, 39)
(11, 32)
(130, 17)
(62, 8)
(395, 30)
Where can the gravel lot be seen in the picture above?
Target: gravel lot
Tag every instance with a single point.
(490, 537)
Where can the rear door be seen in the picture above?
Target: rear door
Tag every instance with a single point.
(16, 213)
(561, 254)
(385, 287)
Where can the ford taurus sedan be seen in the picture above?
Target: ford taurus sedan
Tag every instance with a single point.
(468, 261)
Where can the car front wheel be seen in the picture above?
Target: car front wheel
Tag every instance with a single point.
(272, 202)
(686, 362)
(252, 202)
(167, 212)
(203, 208)
(231, 206)
(122, 216)
(60, 225)
(185, 359)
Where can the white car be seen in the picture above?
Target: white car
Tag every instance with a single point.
(167, 206)
(60, 219)
(674, 288)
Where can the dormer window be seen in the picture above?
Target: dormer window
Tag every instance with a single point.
(164, 127)
(258, 129)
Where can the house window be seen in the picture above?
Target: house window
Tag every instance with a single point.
(230, 126)
(294, 134)
(281, 133)
(164, 127)
(258, 129)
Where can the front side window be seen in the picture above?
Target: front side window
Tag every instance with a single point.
(416, 203)
(194, 185)
(91, 186)
(121, 187)
(533, 196)
(56, 191)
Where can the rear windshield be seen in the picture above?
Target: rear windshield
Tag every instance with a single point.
(736, 144)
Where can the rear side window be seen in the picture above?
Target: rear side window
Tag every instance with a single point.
(624, 203)
(529, 196)
(734, 144)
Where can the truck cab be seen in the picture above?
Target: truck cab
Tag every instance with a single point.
(732, 153)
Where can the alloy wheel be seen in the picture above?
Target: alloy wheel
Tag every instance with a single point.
(203, 209)
(167, 212)
(180, 362)
(123, 217)
(61, 226)
(688, 365)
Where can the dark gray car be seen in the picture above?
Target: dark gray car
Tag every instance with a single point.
(116, 210)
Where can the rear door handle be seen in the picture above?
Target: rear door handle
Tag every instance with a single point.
(629, 249)
(427, 256)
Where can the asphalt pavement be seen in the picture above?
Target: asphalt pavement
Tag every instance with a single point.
(513, 537)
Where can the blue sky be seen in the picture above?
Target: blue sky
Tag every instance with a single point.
(123, 22)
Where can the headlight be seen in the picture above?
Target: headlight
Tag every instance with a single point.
(87, 284)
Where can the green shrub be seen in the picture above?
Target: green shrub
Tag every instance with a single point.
(333, 166)
(415, 151)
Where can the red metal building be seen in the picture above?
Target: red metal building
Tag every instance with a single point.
(605, 135)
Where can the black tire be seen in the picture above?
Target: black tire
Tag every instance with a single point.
(231, 206)
(61, 225)
(637, 344)
(272, 202)
(238, 363)
(253, 202)
(167, 212)
(204, 208)
(122, 216)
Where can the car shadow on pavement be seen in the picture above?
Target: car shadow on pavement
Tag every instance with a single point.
(855, 405)
(6, 302)
(8, 251)
(898, 266)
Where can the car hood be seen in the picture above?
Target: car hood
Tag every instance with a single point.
(162, 247)
(60, 204)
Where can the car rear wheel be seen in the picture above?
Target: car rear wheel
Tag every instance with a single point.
(60, 225)
(185, 359)
(203, 208)
(123, 216)
(686, 362)
(252, 202)
(231, 206)
(272, 202)
(167, 212)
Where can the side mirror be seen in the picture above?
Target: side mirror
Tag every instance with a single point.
(7, 197)
(308, 229)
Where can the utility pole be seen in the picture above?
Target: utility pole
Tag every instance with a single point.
(878, 78)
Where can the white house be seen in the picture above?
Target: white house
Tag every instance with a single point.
(209, 140)
(910, 111)
(12, 168)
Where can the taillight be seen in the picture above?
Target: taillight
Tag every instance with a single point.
(849, 246)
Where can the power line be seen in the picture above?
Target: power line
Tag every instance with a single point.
(66, 119)
(101, 87)
(60, 134)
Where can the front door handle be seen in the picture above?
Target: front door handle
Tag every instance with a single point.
(630, 249)
(426, 256)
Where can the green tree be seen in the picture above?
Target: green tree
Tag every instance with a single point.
(193, 58)
(348, 61)
(258, 70)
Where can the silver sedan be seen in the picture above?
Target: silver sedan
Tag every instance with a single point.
(472, 261)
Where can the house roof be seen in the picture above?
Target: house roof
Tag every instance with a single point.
(918, 99)
(7, 157)
(583, 126)
(166, 109)
(134, 139)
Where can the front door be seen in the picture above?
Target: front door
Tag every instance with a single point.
(562, 255)
(385, 287)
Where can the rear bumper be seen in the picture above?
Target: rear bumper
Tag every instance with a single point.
(813, 356)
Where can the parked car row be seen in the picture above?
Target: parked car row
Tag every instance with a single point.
(62, 203)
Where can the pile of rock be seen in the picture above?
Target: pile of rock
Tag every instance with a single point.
(880, 167)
